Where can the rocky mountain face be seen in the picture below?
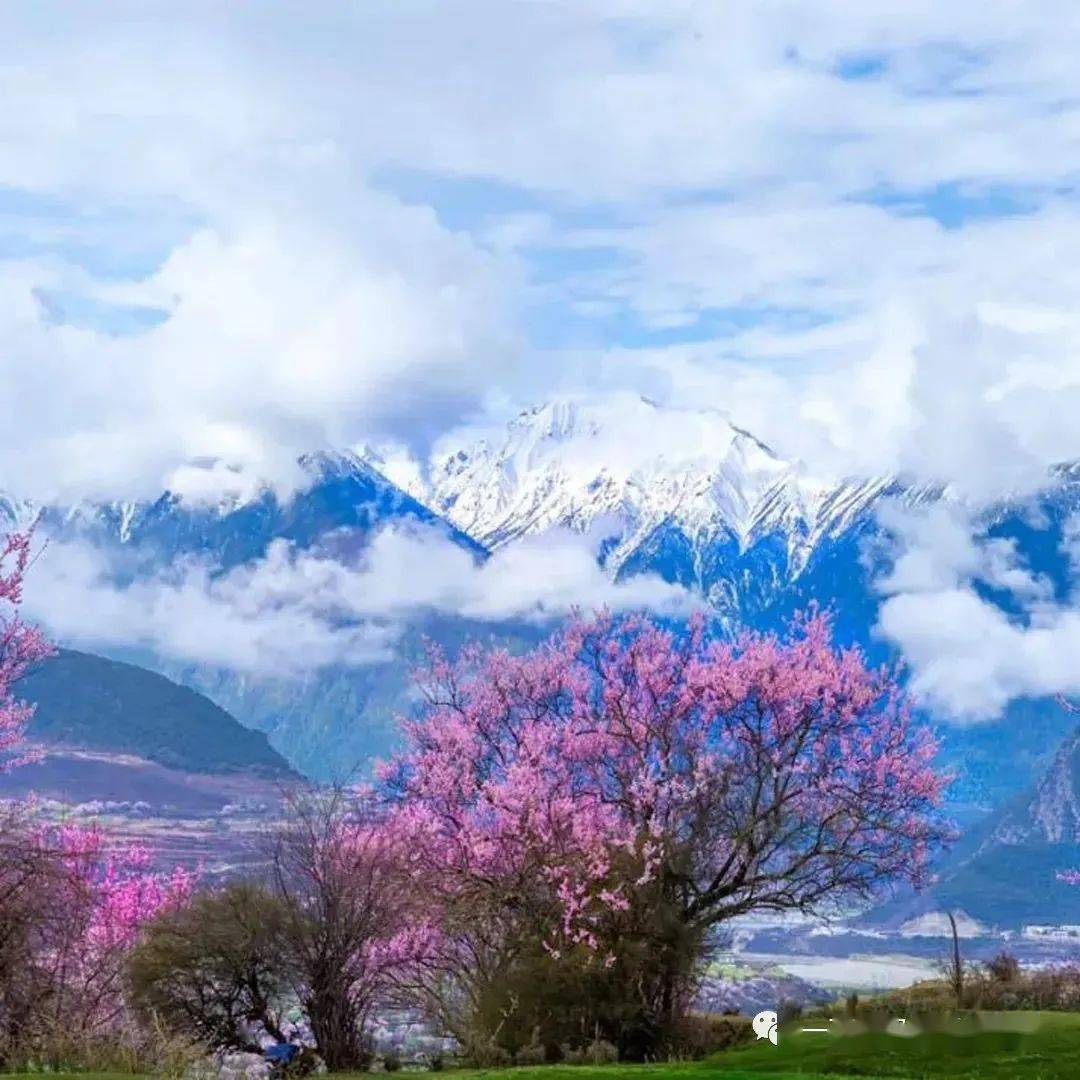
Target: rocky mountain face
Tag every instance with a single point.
(1004, 871)
(1050, 812)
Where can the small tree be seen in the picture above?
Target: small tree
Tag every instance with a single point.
(35, 909)
(214, 968)
(336, 872)
(70, 912)
(71, 905)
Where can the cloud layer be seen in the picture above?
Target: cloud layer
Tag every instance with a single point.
(294, 612)
(241, 232)
(244, 232)
(976, 626)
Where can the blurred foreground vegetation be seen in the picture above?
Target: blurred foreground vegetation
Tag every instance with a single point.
(991, 1046)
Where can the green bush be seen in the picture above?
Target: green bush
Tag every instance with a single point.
(212, 968)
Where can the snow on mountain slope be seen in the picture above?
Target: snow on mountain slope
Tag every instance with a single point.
(16, 513)
(626, 470)
(342, 494)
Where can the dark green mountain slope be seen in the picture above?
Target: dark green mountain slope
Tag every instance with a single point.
(97, 704)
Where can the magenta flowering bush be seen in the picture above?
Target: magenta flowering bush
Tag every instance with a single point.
(764, 773)
(106, 894)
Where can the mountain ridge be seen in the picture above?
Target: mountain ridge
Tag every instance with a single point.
(342, 494)
(95, 703)
(703, 501)
(1004, 872)
(685, 494)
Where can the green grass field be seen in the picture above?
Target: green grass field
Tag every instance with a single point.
(1049, 1051)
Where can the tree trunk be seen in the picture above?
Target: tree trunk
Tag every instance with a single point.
(957, 964)
(337, 1031)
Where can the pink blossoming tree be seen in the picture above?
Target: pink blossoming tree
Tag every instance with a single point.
(621, 764)
(71, 904)
(107, 893)
(21, 646)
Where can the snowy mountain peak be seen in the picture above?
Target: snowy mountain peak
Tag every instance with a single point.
(632, 468)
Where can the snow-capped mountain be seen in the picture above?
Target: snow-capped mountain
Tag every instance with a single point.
(331, 721)
(681, 492)
(575, 465)
(343, 494)
(17, 513)
(684, 494)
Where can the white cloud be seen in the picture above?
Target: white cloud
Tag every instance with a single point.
(721, 155)
(277, 340)
(293, 612)
(970, 660)
(851, 227)
(970, 652)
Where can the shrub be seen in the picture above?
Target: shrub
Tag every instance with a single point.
(212, 969)
(1001, 986)
(597, 1052)
(391, 1062)
(1004, 968)
(533, 1052)
(487, 1054)
(700, 1034)
(148, 1049)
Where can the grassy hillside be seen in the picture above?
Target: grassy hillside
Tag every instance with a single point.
(98, 704)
